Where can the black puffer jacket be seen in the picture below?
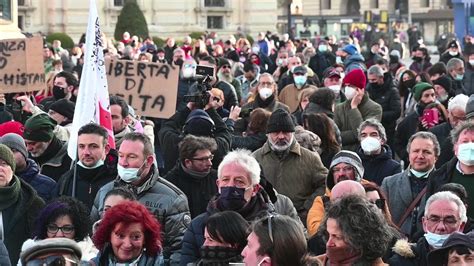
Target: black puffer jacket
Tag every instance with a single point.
(407, 254)
(377, 167)
(442, 133)
(230, 95)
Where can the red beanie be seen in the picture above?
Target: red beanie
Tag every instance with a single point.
(355, 78)
(11, 127)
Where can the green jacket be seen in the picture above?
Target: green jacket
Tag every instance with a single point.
(300, 174)
(348, 120)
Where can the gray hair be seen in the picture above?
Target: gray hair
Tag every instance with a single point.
(371, 122)
(448, 196)
(375, 70)
(452, 63)
(464, 125)
(266, 75)
(425, 135)
(243, 158)
(458, 102)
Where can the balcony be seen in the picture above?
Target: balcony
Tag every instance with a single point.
(206, 6)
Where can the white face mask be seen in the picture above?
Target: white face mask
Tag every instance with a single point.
(282, 62)
(339, 60)
(453, 53)
(349, 92)
(471, 62)
(466, 153)
(129, 175)
(97, 165)
(265, 92)
(370, 145)
(188, 72)
(336, 89)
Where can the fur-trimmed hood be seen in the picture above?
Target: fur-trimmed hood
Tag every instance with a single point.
(403, 248)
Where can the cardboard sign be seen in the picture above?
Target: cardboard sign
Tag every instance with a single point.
(21, 65)
(150, 88)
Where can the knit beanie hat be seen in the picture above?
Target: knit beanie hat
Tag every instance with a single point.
(348, 157)
(39, 128)
(7, 155)
(280, 121)
(11, 127)
(444, 82)
(350, 49)
(419, 88)
(470, 107)
(199, 123)
(50, 245)
(64, 107)
(223, 62)
(15, 141)
(355, 78)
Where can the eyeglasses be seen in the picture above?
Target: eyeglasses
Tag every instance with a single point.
(225, 66)
(344, 169)
(450, 221)
(203, 159)
(53, 229)
(57, 260)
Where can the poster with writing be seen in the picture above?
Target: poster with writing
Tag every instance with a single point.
(150, 88)
(21, 65)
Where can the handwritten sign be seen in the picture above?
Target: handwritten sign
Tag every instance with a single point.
(21, 65)
(151, 89)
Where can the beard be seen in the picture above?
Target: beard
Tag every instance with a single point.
(227, 77)
(41, 149)
(281, 145)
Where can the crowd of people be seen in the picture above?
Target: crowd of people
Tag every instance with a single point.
(302, 152)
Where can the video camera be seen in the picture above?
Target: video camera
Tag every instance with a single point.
(198, 93)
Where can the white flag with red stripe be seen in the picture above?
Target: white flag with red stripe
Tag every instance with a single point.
(92, 105)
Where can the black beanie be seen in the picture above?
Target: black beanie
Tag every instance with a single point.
(39, 128)
(199, 123)
(280, 120)
(64, 107)
(444, 82)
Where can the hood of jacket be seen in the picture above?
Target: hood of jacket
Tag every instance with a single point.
(353, 58)
(30, 172)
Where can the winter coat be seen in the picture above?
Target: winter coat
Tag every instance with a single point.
(419, 67)
(183, 89)
(167, 203)
(198, 190)
(320, 62)
(348, 120)
(442, 133)
(405, 129)
(353, 62)
(4, 259)
(88, 182)
(230, 95)
(54, 162)
(445, 57)
(468, 80)
(407, 254)
(441, 176)
(399, 194)
(377, 167)
(103, 259)
(170, 135)
(19, 219)
(457, 86)
(389, 98)
(259, 206)
(300, 174)
(43, 185)
(250, 142)
(290, 95)
(378, 262)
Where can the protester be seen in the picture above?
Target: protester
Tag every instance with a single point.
(60, 251)
(128, 234)
(458, 249)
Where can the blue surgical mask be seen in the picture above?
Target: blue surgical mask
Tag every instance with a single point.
(435, 240)
(300, 81)
(97, 165)
(466, 153)
(129, 175)
(459, 76)
(339, 60)
(322, 48)
(419, 174)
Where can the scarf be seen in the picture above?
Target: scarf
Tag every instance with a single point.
(219, 255)
(10, 194)
(52, 150)
(265, 103)
(195, 174)
(344, 256)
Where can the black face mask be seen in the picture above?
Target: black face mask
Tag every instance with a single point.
(232, 198)
(417, 59)
(179, 62)
(59, 92)
(375, 85)
(218, 253)
(410, 83)
(393, 59)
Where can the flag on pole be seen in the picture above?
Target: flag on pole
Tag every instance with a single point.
(92, 104)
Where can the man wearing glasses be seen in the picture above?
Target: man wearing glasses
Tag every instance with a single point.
(193, 172)
(445, 214)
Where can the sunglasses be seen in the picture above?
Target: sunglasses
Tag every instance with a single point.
(380, 203)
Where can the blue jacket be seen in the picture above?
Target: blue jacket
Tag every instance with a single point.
(43, 185)
(4, 258)
(354, 61)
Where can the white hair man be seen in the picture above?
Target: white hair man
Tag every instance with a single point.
(445, 214)
(456, 114)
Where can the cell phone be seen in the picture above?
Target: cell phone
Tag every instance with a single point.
(431, 116)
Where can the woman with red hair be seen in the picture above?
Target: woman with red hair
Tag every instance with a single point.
(128, 235)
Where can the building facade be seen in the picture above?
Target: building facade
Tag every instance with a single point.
(165, 18)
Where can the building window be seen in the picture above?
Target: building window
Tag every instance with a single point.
(425, 3)
(326, 4)
(215, 22)
(374, 4)
(214, 3)
(21, 21)
(21, 2)
(118, 2)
